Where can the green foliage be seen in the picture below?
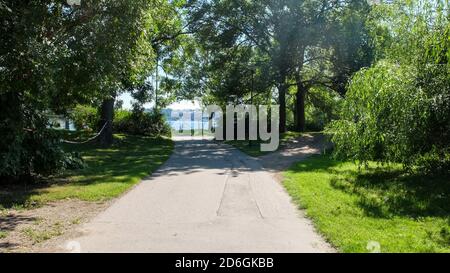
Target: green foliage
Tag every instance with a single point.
(121, 120)
(253, 47)
(386, 117)
(376, 115)
(321, 108)
(37, 152)
(399, 109)
(138, 122)
(54, 56)
(121, 115)
(85, 117)
(351, 45)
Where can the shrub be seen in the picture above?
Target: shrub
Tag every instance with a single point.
(36, 152)
(85, 117)
(141, 123)
(121, 121)
(322, 107)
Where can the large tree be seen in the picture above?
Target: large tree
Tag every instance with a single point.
(342, 46)
(287, 34)
(53, 56)
(127, 42)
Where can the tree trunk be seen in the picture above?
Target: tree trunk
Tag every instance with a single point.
(299, 111)
(300, 107)
(106, 116)
(282, 101)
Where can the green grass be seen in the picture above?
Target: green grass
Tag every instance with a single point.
(38, 236)
(400, 211)
(3, 234)
(109, 172)
(255, 148)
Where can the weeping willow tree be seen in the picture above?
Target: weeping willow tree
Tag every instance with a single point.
(398, 110)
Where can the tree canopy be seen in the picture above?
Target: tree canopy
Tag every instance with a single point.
(289, 43)
(55, 55)
(380, 71)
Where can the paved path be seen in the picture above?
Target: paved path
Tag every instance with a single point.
(207, 197)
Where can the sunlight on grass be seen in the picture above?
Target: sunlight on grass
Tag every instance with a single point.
(254, 149)
(109, 172)
(403, 212)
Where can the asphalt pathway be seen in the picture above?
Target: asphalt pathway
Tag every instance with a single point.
(208, 197)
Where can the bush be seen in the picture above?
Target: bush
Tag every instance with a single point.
(122, 122)
(35, 153)
(85, 117)
(322, 107)
(27, 147)
(141, 123)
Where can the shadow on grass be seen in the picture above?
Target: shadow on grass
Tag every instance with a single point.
(17, 195)
(386, 191)
(129, 159)
(316, 163)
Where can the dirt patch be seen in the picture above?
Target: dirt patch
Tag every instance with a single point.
(292, 151)
(42, 229)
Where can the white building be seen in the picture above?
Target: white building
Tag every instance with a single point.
(60, 122)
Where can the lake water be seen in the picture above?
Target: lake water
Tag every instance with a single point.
(188, 125)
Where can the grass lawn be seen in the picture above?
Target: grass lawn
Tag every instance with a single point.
(109, 173)
(401, 212)
(255, 148)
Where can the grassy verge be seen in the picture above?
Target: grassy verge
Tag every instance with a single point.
(109, 173)
(255, 149)
(379, 205)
